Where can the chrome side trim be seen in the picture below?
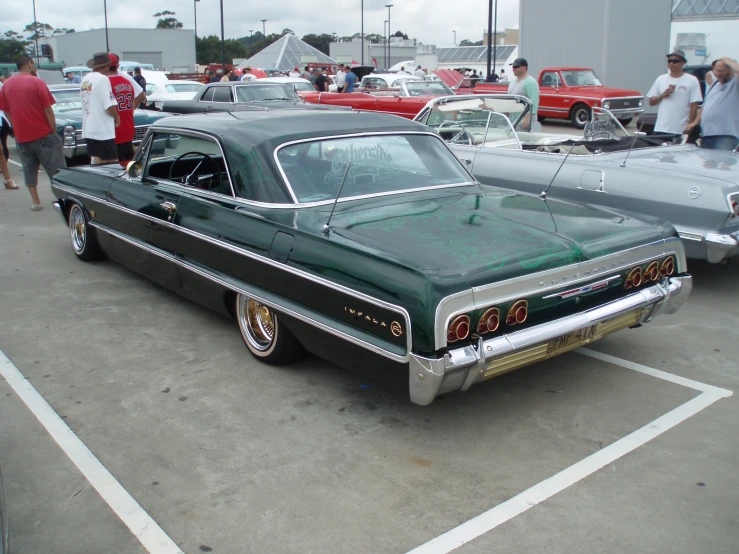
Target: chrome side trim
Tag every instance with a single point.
(539, 283)
(248, 291)
(460, 368)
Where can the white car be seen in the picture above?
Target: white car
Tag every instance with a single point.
(298, 84)
(157, 93)
(386, 80)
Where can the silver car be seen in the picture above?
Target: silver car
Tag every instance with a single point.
(697, 190)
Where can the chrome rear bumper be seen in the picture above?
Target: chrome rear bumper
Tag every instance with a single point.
(461, 368)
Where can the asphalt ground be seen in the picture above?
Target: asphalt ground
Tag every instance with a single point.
(228, 455)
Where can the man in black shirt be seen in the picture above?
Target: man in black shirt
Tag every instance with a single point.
(321, 81)
(139, 78)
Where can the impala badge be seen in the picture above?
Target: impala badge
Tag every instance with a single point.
(694, 192)
(583, 290)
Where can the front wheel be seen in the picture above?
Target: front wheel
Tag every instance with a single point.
(265, 337)
(580, 115)
(626, 121)
(84, 242)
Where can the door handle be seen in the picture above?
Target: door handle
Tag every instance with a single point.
(170, 207)
(466, 161)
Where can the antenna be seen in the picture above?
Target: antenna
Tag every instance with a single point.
(633, 142)
(327, 225)
(543, 195)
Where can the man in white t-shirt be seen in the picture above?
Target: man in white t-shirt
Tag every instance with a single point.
(677, 94)
(340, 78)
(99, 111)
(248, 75)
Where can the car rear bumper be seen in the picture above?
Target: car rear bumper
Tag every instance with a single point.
(79, 149)
(713, 247)
(463, 367)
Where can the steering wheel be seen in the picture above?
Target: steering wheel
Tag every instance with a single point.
(192, 179)
(464, 134)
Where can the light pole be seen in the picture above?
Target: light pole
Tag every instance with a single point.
(223, 44)
(495, 36)
(455, 37)
(264, 28)
(384, 46)
(489, 77)
(362, 32)
(195, 9)
(35, 29)
(389, 50)
(105, 9)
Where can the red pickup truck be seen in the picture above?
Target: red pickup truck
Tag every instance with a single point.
(571, 92)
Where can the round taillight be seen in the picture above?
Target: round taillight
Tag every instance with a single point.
(489, 322)
(518, 313)
(668, 266)
(652, 272)
(634, 279)
(734, 208)
(459, 329)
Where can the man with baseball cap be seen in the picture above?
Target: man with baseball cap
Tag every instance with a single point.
(99, 111)
(525, 85)
(677, 94)
(128, 95)
(248, 75)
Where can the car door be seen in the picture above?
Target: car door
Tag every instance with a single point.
(141, 216)
(552, 103)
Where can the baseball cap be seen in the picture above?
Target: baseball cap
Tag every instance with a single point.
(520, 62)
(114, 61)
(678, 53)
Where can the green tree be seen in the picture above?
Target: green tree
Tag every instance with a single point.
(401, 34)
(467, 42)
(44, 30)
(12, 45)
(209, 50)
(319, 42)
(375, 38)
(167, 20)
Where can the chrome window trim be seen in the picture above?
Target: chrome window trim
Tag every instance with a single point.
(540, 283)
(207, 275)
(364, 196)
(189, 132)
(241, 251)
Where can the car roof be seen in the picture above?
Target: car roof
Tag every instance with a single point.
(283, 80)
(64, 87)
(244, 83)
(182, 82)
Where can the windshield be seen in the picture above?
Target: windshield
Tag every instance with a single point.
(256, 93)
(184, 87)
(377, 164)
(474, 110)
(581, 78)
(303, 86)
(66, 100)
(427, 88)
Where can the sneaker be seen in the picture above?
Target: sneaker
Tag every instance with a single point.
(36, 207)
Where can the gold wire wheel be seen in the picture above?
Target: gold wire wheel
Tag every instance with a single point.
(259, 323)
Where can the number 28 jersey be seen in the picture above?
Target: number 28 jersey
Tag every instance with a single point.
(124, 93)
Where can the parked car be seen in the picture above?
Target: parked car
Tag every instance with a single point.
(406, 100)
(68, 113)
(572, 92)
(696, 190)
(156, 94)
(241, 95)
(359, 237)
(77, 70)
(296, 83)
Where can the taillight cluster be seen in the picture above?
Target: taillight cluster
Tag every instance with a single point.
(734, 202)
(489, 322)
(654, 271)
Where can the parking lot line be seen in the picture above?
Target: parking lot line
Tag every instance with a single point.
(470, 530)
(144, 528)
(16, 163)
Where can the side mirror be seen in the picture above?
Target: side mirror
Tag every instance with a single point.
(134, 169)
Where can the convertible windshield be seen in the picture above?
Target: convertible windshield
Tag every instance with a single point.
(472, 112)
(426, 88)
(582, 78)
(376, 164)
(256, 93)
(66, 100)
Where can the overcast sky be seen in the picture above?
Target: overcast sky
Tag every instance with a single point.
(429, 21)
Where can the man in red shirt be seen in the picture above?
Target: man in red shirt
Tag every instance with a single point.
(27, 102)
(129, 95)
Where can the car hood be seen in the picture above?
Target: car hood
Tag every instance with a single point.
(488, 237)
(688, 160)
(603, 92)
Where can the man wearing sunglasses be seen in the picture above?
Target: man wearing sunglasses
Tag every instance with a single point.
(525, 85)
(677, 94)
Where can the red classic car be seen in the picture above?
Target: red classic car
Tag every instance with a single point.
(571, 92)
(406, 100)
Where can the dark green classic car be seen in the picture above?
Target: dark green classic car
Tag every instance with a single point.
(68, 113)
(418, 275)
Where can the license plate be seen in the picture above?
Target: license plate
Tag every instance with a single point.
(573, 337)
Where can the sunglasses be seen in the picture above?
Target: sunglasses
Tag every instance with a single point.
(515, 66)
(673, 60)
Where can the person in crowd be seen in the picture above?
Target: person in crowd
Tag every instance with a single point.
(99, 111)
(402, 70)
(420, 73)
(232, 76)
(226, 77)
(27, 103)
(306, 74)
(339, 80)
(72, 79)
(350, 79)
(295, 73)
(525, 85)
(4, 132)
(474, 78)
(677, 94)
(139, 78)
(503, 77)
(719, 116)
(128, 95)
(321, 83)
(248, 75)
(710, 75)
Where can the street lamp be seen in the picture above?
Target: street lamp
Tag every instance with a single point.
(489, 77)
(384, 46)
(264, 28)
(195, 9)
(389, 51)
(455, 37)
(362, 32)
(223, 43)
(105, 9)
(35, 30)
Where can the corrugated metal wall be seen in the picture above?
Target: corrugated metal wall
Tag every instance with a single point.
(624, 41)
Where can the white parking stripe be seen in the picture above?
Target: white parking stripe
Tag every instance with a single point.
(16, 163)
(470, 530)
(125, 507)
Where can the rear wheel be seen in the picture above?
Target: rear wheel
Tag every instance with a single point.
(84, 242)
(265, 337)
(580, 115)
